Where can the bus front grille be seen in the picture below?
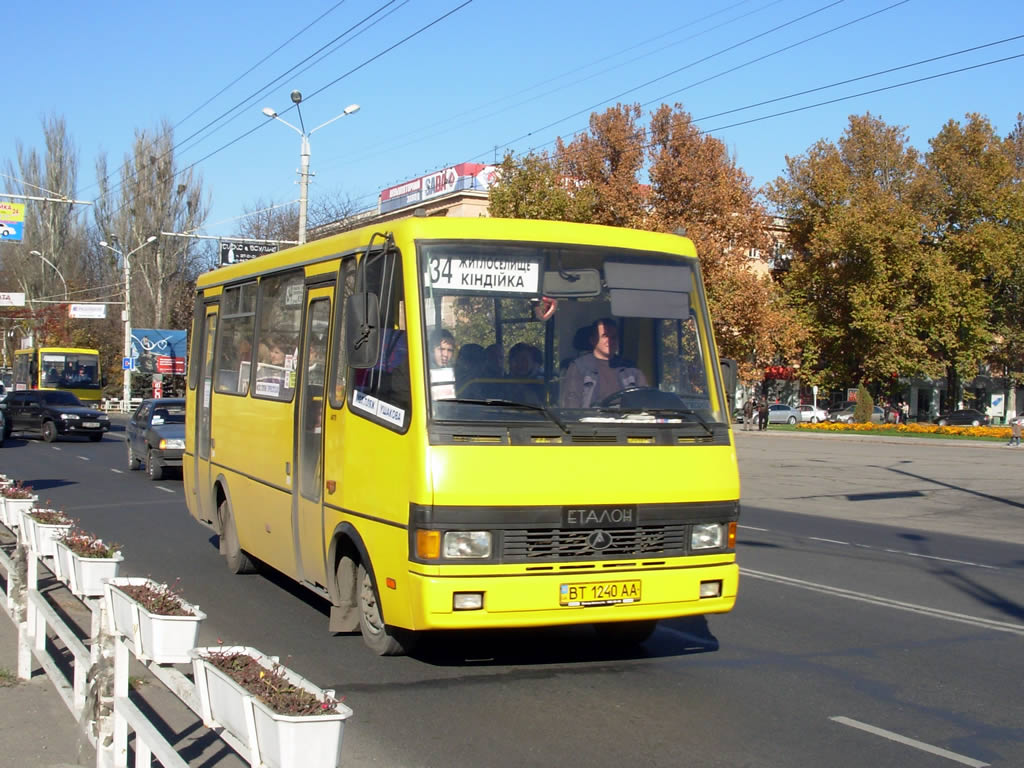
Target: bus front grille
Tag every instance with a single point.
(574, 544)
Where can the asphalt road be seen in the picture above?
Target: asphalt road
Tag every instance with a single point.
(880, 622)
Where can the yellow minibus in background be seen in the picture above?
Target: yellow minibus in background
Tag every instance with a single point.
(72, 369)
(445, 423)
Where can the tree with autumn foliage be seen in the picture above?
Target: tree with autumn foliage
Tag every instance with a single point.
(694, 184)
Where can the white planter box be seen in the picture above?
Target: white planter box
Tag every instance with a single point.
(43, 535)
(13, 509)
(274, 740)
(163, 639)
(84, 575)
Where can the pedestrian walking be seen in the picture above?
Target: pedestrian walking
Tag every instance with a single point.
(762, 416)
(1015, 430)
(748, 415)
(905, 412)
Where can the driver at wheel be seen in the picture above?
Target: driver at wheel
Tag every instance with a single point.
(598, 374)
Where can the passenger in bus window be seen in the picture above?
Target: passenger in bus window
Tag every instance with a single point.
(525, 361)
(600, 373)
(442, 348)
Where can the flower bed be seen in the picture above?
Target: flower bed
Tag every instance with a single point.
(84, 562)
(160, 625)
(914, 428)
(43, 527)
(17, 498)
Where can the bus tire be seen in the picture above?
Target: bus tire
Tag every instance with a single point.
(49, 431)
(379, 638)
(238, 561)
(626, 633)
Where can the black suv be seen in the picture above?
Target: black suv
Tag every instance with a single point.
(52, 413)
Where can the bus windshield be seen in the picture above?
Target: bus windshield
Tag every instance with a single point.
(579, 333)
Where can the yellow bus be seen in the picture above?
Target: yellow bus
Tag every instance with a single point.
(72, 369)
(451, 423)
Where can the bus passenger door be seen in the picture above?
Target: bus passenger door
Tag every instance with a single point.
(308, 520)
(204, 440)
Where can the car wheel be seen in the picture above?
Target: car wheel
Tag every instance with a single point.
(154, 468)
(943, 423)
(814, 419)
(237, 560)
(975, 423)
(49, 431)
(8, 428)
(133, 460)
(381, 639)
(791, 420)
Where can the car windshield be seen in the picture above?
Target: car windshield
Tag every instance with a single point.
(60, 398)
(573, 334)
(168, 413)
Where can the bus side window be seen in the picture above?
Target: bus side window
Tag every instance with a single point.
(280, 318)
(347, 286)
(234, 353)
(387, 383)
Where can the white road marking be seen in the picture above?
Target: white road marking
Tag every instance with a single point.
(829, 541)
(963, 759)
(943, 559)
(752, 528)
(165, 490)
(118, 471)
(936, 613)
(85, 458)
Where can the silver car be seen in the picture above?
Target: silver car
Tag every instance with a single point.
(783, 414)
(845, 416)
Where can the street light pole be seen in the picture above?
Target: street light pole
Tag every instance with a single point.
(126, 262)
(305, 152)
(37, 253)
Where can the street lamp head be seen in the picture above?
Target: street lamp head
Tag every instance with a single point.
(34, 253)
(351, 108)
(269, 112)
(151, 238)
(297, 96)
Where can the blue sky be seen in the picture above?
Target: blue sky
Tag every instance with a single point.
(493, 74)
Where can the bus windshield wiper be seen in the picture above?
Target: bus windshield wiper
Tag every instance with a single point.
(510, 404)
(664, 412)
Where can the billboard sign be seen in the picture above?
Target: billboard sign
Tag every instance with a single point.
(453, 179)
(12, 299)
(12, 222)
(159, 351)
(88, 311)
(232, 251)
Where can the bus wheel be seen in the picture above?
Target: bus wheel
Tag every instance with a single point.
(381, 639)
(237, 560)
(626, 633)
(49, 431)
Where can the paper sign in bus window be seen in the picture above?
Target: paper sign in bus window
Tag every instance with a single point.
(484, 275)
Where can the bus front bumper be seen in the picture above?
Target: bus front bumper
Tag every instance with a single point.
(533, 600)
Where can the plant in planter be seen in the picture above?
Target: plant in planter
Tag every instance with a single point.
(280, 717)
(158, 622)
(84, 562)
(43, 526)
(17, 499)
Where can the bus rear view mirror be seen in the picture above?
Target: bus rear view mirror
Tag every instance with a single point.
(729, 381)
(362, 329)
(572, 283)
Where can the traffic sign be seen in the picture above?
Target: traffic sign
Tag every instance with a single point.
(128, 363)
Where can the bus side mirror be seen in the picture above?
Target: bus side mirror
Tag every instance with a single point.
(729, 379)
(362, 329)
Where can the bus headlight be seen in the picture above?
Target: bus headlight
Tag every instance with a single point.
(174, 443)
(460, 545)
(706, 536)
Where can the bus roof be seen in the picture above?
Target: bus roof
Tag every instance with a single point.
(435, 227)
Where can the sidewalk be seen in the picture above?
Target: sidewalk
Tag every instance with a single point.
(36, 730)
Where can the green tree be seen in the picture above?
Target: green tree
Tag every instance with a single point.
(535, 188)
(976, 203)
(865, 406)
(859, 273)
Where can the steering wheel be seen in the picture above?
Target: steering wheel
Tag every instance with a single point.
(615, 397)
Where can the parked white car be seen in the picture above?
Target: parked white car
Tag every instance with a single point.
(812, 414)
